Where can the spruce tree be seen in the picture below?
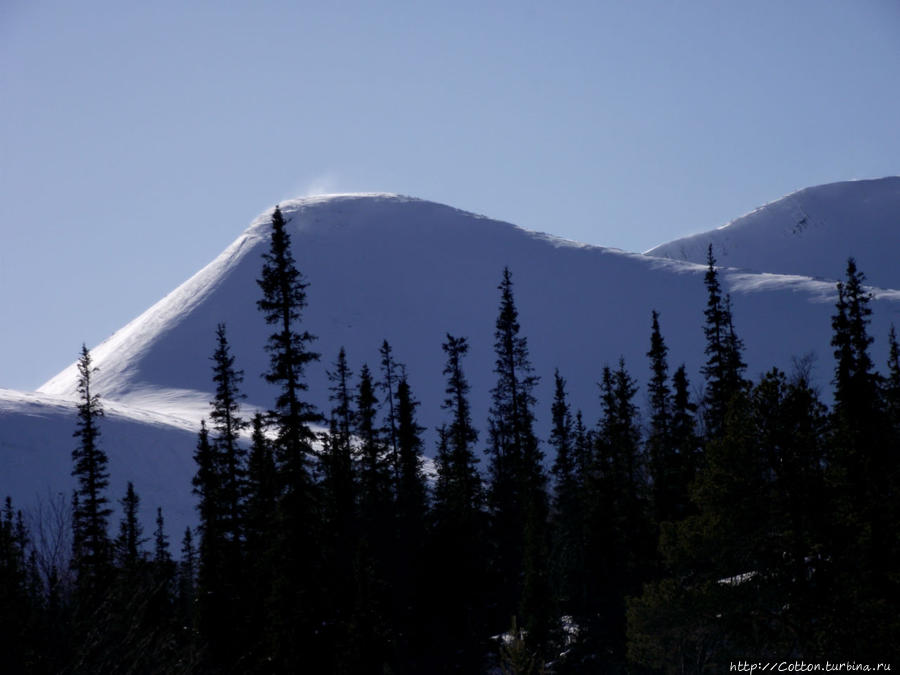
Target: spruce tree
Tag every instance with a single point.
(187, 577)
(562, 439)
(459, 493)
(662, 455)
(744, 566)
(862, 465)
(854, 375)
(261, 491)
(391, 371)
(891, 480)
(376, 516)
(620, 538)
(892, 382)
(409, 579)
(164, 572)
(791, 428)
(227, 425)
(161, 555)
(91, 555)
(457, 542)
(374, 462)
(295, 598)
(212, 598)
(128, 544)
(20, 597)
(337, 457)
(367, 637)
(690, 620)
(582, 448)
(230, 465)
(672, 447)
(131, 629)
(339, 512)
(517, 495)
(206, 487)
(684, 439)
(892, 411)
(411, 487)
(731, 490)
(567, 515)
(284, 299)
(259, 528)
(724, 361)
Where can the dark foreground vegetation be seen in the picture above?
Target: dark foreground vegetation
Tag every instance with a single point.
(747, 523)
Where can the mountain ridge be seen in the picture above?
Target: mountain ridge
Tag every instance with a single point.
(810, 232)
(385, 266)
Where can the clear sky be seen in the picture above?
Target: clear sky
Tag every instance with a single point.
(137, 140)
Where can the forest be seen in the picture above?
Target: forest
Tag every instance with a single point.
(724, 521)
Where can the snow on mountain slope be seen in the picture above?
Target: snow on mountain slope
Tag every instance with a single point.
(153, 451)
(810, 232)
(410, 271)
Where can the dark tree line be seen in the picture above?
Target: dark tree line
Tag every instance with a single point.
(753, 523)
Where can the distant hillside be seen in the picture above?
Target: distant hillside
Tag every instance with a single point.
(153, 451)
(410, 271)
(810, 232)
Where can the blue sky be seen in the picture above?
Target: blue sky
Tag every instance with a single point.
(138, 139)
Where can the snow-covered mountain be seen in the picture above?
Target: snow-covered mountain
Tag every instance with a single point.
(153, 451)
(810, 232)
(410, 271)
(384, 266)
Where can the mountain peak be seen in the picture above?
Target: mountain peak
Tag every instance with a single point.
(409, 271)
(809, 232)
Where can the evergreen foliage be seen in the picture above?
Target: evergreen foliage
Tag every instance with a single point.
(374, 460)
(231, 457)
(459, 494)
(21, 598)
(211, 565)
(724, 361)
(861, 475)
(284, 298)
(261, 493)
(664, 461)
(91, 546)
(391, 372)
(619, 542)
(517, 492)
(337, 456)
(771, 533)
(128, 544)
(685, 441)
(339, 504)
(186, 591)
(567, 522)
(295, 599)
(456, 555)
(161, 555)
(411, 489)
(229, 463)
(370, 633)
(410, 580)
